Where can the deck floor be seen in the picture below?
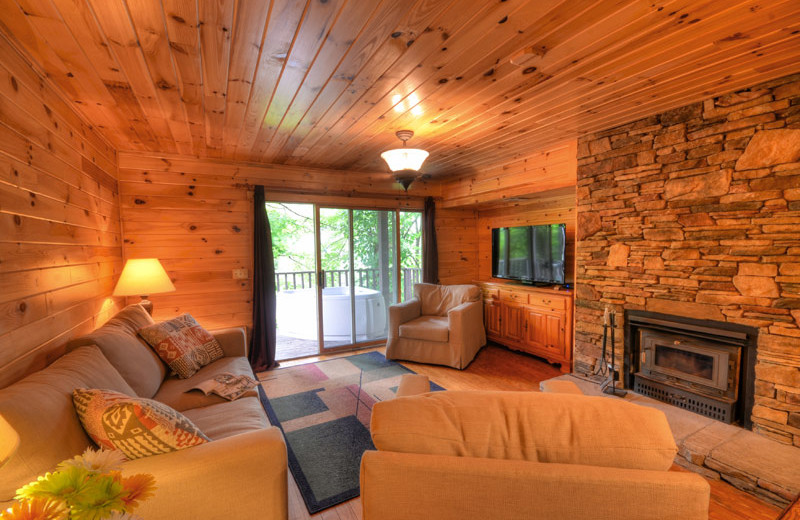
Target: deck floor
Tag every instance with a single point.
(288, 347)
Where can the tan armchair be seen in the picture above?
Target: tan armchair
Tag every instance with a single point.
(442, 325)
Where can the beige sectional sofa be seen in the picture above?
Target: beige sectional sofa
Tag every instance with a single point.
(523, 455)
(241, 473)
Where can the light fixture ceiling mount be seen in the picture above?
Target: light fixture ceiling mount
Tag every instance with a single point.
(405, 162)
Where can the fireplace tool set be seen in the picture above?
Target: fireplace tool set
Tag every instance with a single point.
(606, 369)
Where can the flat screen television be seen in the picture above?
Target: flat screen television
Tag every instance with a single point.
(529, 254)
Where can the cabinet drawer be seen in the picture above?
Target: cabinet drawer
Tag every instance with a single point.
(552, 302)
(491, 293)
(513, 296)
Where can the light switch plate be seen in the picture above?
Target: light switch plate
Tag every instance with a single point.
(240, 274)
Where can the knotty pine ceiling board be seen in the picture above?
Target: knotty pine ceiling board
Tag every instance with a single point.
(326, 83)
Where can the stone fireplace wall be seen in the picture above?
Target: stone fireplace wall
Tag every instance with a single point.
(696, 212)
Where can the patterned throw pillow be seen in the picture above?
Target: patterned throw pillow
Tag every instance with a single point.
(135, 426)
(183, 344)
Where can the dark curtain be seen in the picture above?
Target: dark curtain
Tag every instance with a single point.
(430, 253)
(262, 346)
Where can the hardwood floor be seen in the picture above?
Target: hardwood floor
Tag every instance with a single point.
(497, 368)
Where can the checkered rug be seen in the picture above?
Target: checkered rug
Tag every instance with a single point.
(324, 411)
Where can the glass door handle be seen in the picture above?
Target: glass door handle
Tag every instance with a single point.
(321, 278)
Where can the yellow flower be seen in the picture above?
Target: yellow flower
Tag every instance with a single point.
(63, 485)
(139, 487)
(36, 509)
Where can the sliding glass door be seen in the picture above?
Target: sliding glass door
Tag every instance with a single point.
(354, 278)
(336, 263)
(357, 260)
(375, 273)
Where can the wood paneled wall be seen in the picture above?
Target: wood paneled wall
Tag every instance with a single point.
(458, 245)
(60, 243)
(196, 217)
(198, 223)
(551, 169)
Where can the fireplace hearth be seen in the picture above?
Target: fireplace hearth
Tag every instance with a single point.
(706, 367)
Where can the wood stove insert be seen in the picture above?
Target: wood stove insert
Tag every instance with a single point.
(702, 366)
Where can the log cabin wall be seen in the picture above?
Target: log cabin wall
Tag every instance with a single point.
(60, 243)
(195, 215)
(457, 242)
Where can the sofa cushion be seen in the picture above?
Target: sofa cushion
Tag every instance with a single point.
(216, 420)
(183, 344)
(429, 328)
(130, 355)
(175, 391)
(436, 300)
(40, 409)
(136, 426)
(557, 428)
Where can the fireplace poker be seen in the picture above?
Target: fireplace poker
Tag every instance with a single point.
(613, 390)
(602, 369)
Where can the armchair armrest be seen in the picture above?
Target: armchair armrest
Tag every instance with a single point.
(400, 313)
(215, 480)
(233, 341)
(466, 328)
(409, 485)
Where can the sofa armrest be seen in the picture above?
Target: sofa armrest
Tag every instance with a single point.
(402, 485)
(243, 476)
(233, 341)
(466, 329)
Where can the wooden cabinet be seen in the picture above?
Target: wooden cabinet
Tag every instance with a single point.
(531, 319)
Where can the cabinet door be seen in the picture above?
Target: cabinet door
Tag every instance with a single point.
(555, 328)
(535, 328)
(513, 321)
(491, 317)
(545, 332)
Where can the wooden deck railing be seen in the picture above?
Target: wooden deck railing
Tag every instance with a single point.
(287, 281)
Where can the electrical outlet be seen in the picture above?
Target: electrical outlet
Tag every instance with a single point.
(240, 274)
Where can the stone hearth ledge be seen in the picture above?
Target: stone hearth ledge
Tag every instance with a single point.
(750, 462)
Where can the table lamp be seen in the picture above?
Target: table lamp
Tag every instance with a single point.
(143, 277)
(9, 440)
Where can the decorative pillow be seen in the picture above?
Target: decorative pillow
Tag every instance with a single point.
(135, 426)
(183, 344)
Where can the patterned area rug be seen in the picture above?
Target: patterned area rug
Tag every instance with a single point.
(324, 410)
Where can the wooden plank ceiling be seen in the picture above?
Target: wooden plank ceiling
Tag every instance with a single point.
(326, 83)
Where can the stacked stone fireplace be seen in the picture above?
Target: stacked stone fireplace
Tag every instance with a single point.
(695, 214)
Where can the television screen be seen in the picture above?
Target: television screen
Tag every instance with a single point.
(531, 254)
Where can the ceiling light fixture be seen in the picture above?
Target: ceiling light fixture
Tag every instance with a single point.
(405, 162)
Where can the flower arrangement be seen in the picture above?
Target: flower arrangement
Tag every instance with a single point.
(87, 487)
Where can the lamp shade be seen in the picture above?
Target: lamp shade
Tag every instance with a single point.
(142, 277)
(404, 158)
(9, 440)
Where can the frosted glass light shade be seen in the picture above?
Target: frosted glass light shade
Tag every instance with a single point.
(142, 277)
(9, 440)
(404, 158)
